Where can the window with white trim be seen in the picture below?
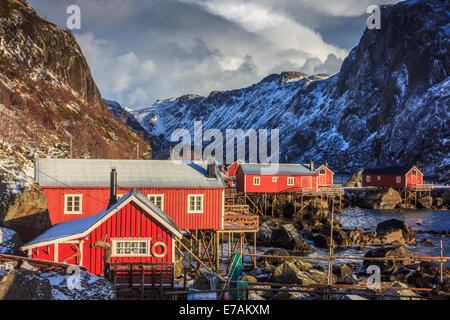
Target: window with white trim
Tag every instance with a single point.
(414, 173)
(274, 179)
(157, 199)
(195, 203)
(398, 179)
(378, 178)
(130, 248)
(73, 204)
(256, 181)
(322, 171)
(290, 181)
(368, 179)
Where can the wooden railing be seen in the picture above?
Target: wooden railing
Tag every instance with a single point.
(149, 274)
(232, 209)
(334, 189)
(240, 222)
(420, 187)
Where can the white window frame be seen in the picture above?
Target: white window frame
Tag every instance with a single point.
(256, 181)
(368, 179)
(195, 196)
(322, 172)
(274, 179)
(157, 196)
(414, 173)
(124, 255)
(379, 178)
(290, 179)
(66, 211)
(398, 179)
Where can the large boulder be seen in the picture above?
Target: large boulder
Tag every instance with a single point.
(287, 236)
(425, 202)
(388, 267)
(264, 235)
(9, 242)
(28, 214)
(21, 281)
(384, 200)
(265, 262)
(393, 230)
(340, 238)
(18, 284)
(288, 273)
(428, 275)
(355, 180)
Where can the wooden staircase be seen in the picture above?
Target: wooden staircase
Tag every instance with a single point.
(237, 213)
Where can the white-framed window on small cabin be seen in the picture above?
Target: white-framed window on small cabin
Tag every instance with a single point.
(73, 204)
(130, 248)
(414, 173)
(378, 178)
(322, 172)
(368, 179)
(256, 181)
(195, 203)
(274, 179)
(398, 179)
(290, 181)
(157, 199)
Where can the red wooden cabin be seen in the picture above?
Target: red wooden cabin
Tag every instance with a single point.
(392, 177)
(137, 230)
(191, 193)
(254, 178)
(325, 175)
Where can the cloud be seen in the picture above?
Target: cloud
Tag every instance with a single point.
(143, 50)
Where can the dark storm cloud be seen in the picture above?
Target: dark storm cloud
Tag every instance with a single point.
(143, 50)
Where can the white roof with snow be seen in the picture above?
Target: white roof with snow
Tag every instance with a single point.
(130, 173)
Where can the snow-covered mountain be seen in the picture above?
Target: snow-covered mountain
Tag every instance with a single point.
(388, 105)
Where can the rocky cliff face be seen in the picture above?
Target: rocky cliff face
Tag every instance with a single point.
(388, 105)
(49, 103)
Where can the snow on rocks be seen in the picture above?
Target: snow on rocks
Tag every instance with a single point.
(23, 282)
(9, 241)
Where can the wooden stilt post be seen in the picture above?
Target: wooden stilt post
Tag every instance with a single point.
(254, 249)
(217, 252)
(229, 245)
(442, 262)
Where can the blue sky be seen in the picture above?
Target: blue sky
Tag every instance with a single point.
(143, 50)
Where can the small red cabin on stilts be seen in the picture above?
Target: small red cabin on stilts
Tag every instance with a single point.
(135, 229)
(325, 175)
(392, 177)
(276, 178)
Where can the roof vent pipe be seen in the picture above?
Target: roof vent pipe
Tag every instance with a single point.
(212, 167)
(311, 165)
(113, 188)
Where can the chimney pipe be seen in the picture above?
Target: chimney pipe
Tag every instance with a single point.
(312, 165)
(212, 167)
(113, 188)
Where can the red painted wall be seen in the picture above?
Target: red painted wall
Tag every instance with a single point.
(128, 223)
(389, 180)
(308, 183)
(175, 205)
(326, 179)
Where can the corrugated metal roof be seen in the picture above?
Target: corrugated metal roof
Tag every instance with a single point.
(388, 170)
(130, 173)
(278, 169)
(80, 226)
